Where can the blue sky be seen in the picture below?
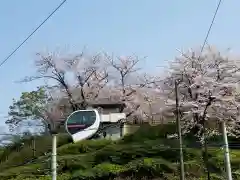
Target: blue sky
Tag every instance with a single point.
(153, 28)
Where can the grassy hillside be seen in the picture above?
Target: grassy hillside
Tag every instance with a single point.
(147, 154)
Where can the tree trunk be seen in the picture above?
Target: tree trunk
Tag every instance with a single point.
(205, 153)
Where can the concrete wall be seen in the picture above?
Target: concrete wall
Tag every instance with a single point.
(130, 129)
(114, 132)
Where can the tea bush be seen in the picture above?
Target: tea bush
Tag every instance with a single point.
(147, 154)
(83, 146)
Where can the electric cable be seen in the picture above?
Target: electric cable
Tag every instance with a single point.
(31, 34)
(210, 27)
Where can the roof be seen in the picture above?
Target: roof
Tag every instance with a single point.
(106, 101)
(110, 96)
(106, 96)
(97, 101)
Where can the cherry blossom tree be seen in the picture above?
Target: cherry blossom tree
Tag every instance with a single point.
(208, 93)
(129, 82)
(91, 76)
(51, 67)
(80, 73)
(83, 78)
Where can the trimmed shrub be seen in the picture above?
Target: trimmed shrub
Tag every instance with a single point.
(83, 146)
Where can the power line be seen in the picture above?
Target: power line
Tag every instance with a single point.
(45, 20)
(210, 27)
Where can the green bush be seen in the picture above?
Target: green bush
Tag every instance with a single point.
(150, 167)
(138, 168)
(43, 144)
(83, 146)
(147, 132)
(147, 154)
(60, 177)
(72, 163)
(100, 171)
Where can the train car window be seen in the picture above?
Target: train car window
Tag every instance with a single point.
(80, 121)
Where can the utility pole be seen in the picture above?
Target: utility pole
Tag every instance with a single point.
(182, 172)
(53, 126)
(226, 152)
(54, 156)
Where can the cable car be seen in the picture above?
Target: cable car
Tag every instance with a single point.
(83, 124)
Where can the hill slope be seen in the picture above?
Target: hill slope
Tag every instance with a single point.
(146, 154)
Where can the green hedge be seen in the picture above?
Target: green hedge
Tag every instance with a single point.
(43, 144)
(83, 147)
(146, 154)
